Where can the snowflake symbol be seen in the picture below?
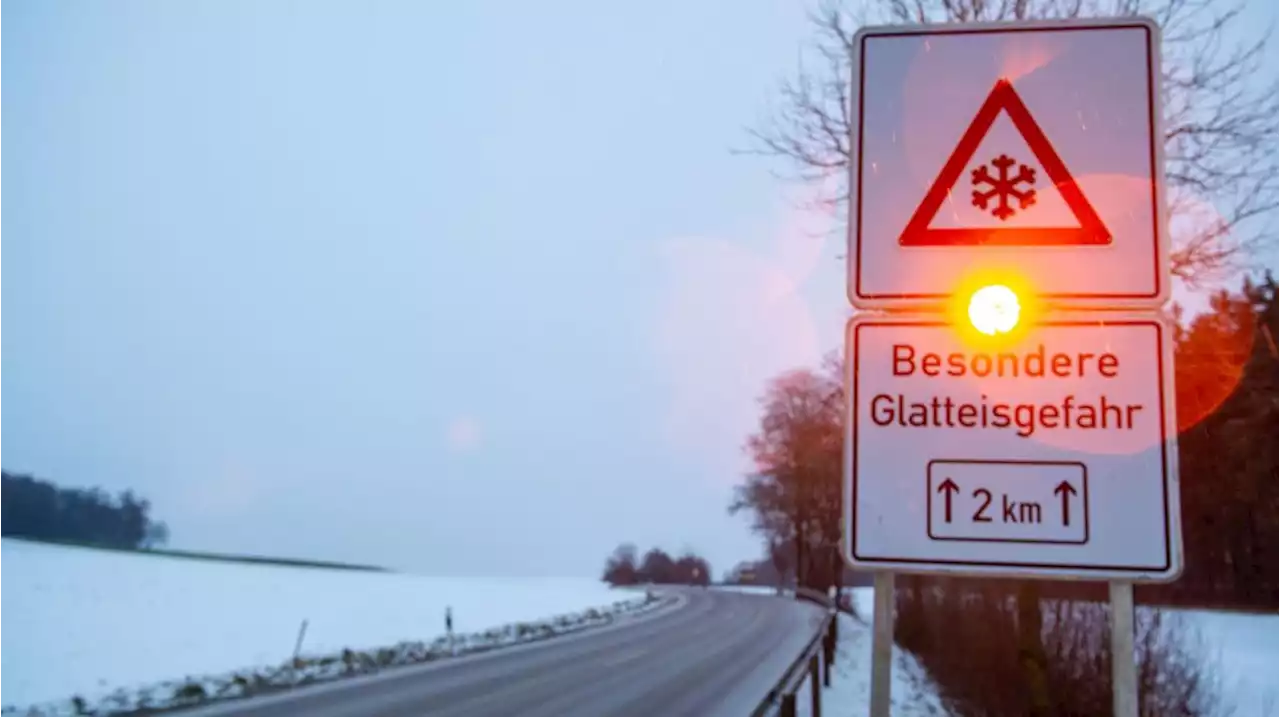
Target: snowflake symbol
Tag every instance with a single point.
(1002, 187)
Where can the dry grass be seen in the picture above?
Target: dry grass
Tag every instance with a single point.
(966, 635)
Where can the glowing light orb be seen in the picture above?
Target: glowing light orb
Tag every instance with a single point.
(994, 309)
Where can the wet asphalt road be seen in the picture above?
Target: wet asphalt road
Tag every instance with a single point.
(714, 653)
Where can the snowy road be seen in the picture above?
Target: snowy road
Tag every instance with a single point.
(716, 653)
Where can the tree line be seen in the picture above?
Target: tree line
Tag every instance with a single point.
(623, 568)
(775, 571)
(38, 509)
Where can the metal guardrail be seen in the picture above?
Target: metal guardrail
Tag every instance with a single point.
(815, 659)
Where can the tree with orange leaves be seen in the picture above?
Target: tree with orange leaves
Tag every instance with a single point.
(1226, 368)
(794, 495)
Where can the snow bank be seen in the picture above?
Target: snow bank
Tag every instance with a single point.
(97, 624)
(912, 693)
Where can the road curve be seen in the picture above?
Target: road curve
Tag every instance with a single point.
(717, 653)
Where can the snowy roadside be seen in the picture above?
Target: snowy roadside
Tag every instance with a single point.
(310, 669)
(1242, 647)
(94, 622)
(912, 692)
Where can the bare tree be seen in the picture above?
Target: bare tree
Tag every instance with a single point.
(1220, 113)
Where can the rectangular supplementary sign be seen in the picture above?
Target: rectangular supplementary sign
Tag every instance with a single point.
(1028, 148)
(1008, 501)
(1051, 454)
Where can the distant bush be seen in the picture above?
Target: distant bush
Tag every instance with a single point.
(38, 509)
(624, 568)
(966, 635)
(189, 693)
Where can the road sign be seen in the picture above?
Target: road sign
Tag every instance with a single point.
(1049, 454)
(982, 150)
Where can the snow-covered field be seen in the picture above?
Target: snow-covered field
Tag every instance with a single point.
(86, 622)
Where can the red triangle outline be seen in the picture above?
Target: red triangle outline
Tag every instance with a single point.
(1091, 232)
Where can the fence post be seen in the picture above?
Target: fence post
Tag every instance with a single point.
(788, 708)
(297, 649)
(302, 633)
(828, 652)
(448, 629)
(815, 690)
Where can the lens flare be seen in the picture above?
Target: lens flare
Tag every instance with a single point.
(994, 309)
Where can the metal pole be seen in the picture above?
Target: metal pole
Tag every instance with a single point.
(882, 645)
(1124, 673)
(815, 689)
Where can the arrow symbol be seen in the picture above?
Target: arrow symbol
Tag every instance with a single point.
(948, 488)
(1066, 490)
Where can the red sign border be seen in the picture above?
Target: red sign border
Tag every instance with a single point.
(1091, 232)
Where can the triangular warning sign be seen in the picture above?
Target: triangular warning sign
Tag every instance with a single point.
(1001, 192)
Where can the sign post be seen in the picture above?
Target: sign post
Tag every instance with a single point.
(1009, 373)
(882, 645)
(1124, 674)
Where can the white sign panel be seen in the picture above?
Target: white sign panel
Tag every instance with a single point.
(1030, 149)
(1051, 455)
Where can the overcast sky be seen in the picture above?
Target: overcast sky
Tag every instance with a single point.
(457, 287)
